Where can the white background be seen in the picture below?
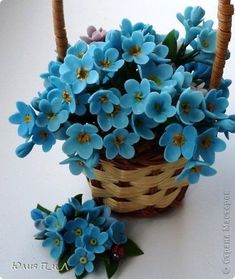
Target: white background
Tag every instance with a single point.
(185, 243)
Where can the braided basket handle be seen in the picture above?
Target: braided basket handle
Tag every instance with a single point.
(225, 12)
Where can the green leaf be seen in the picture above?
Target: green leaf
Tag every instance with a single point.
(43, 209)
(171, 42)
(58, 206)
(62, 262)
(79, 198)
(110, 265)
(131, 249)
(39, 237)
(81, 276)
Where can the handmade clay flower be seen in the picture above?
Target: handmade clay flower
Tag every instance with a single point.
(136, 49)
(51, 114)
(77, 165)
(207, 41)
(159, 54)
(83, 140)
(75, 230)
(136, 96)
(94, 240)
(107, 60)
(78, 72)
(142, 126)
(42, 136)
(158, 107)
(79, 49)
(94, 35)
(56, 242)
(120, 141)
(207, 144)
(188, 106)
(178, 140)
(56, 221)
(117, 233)
(53, 71)
(63, 92)
(183, 79)
(103, 100)
(227, 125)
(214, 105)
(193, 170)
(82, 261)
(25, 118)
(158, 75)
(81, 100)
(24, 149)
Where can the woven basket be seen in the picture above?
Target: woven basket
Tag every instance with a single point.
(145, 185)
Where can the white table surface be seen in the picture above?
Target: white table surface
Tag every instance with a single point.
(185, 243)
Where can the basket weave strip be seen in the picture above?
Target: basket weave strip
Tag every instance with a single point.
(225, 12)
(132, 190)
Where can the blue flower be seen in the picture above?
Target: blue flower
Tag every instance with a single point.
(53, 70)
(25, 118)
(136, 95)
(63, 92)
(207, 144)
(193, 170)
(99, 215)
(24, 149)
(183, 78)
(81, 100)
(79, 49)
(78, 72)
(215, 105)
(142, 126)
(56, 242)
(51, 115)
(77, 165)
(75, 229)
(108, 60)
(117, 233)
(83, 139)
(159, 54)
(94, 240)
(56, 221)
(178, 140)
(227, 125)
(43, 137)
(188, 106)
(120, 142)
(159, 76)
(113, 38)
(103, 100)
(135, 49)
(207, 40)
(82, 261)
(158, 107)
(39, 219)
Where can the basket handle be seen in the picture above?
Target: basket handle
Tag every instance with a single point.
(225, 12)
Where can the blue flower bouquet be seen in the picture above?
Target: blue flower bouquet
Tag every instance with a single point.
(139, 112)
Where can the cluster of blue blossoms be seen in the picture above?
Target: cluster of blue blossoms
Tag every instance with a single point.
(78, 234)
(133, 86)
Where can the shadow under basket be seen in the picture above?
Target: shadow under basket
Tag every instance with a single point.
(139, 187)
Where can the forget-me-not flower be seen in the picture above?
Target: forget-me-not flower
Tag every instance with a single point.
(56, 242)
(75, 230)
(79, 49)
(117, 233)
(42, 136)
(56, 221)
(94, 240)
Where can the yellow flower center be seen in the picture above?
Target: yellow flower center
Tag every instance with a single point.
(43, 135)
(93, 241)
(66, 97)
(80, 55)
(138, 96)
(27, 118)
(83, 138)
(186, 107)
(178, 139)
(196, 169)
(51, 116)
(210, 107)
(82, 164)
(57, 241)
(155, 79)
(116, 110)
(119, 140)
(158, 107)
(78, 232)
(105, 63)
(83, 260)
(206, 143)
(135, 51)
(104, 99)
(205, 44)
(139, 123)
(82, 73)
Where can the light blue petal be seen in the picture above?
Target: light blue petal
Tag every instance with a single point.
(172, 153)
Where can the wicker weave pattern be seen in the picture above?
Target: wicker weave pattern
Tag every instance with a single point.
(132, 190)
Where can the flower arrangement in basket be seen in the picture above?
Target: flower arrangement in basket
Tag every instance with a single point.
(139, 112)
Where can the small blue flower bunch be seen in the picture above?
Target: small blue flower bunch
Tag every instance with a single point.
(79, 235)
(128, 87)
